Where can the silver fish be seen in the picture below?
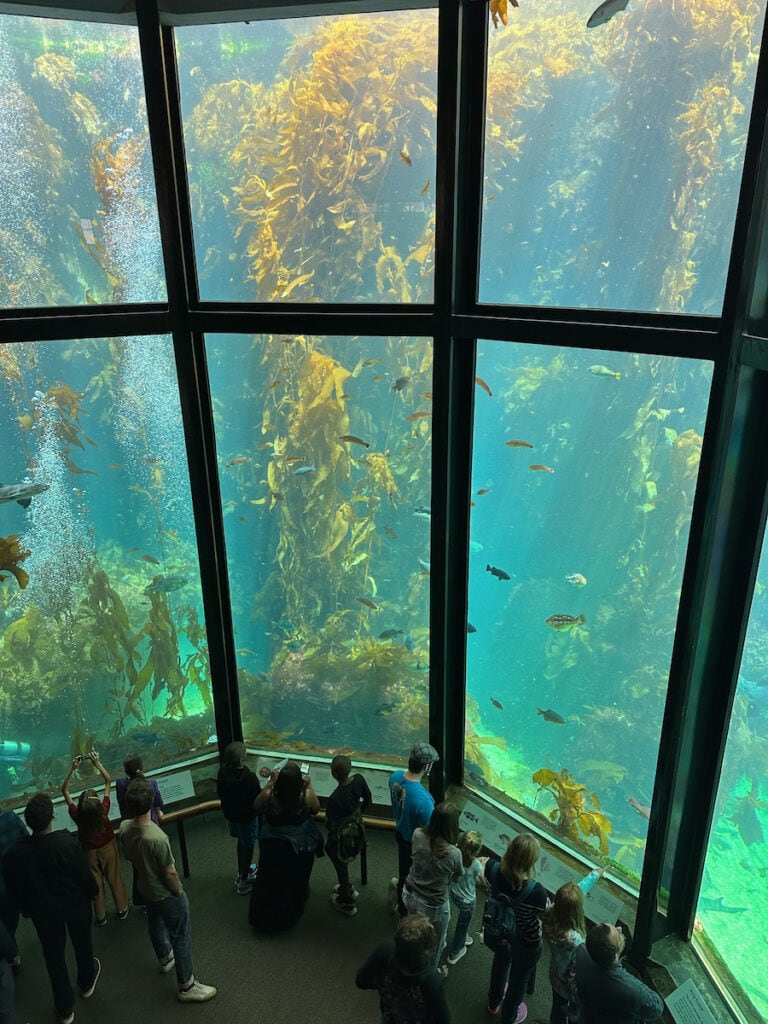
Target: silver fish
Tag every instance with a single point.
(165, 584)
(606, 11)
(23, 493)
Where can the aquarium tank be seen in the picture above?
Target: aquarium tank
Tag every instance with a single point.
(317, 337)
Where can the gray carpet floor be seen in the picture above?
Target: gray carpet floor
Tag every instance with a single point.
(305, 975)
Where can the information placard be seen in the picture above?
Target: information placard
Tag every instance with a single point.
(176, 786)
(687, 1006)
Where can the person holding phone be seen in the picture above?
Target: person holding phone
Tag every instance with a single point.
(289, 841)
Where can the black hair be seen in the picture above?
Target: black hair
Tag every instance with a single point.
(133, 765)
(288, 790)
(341, 766)
(138, 797)
(38, 813)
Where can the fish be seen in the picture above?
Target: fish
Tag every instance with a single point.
(243, 519)
(294, 458)
(471, 628)
(642, 809)
(423, 512)
(518, 444)
(371, 362)
(243, 651)
(483, 490)
(151, 559)
(389, 633)
(390, 533)
(497, 704)
(115, 465)
(405, 157)
(401, 382)
(484, 386)
(716, 903)
(425, 566)
(542, 469)
(381, 376)
(576, 579)
(598, 370)
(384, 709)
(21, 493)
(563, 622)
(417, 416)
(351, 439)
(367, 603)
(551, 716)
(408, 641)
(498, 573)
(475, 546)
(747, 822)
(605, 12)
(425, 189)
(165, 584)
(301, 470)
(239, 460)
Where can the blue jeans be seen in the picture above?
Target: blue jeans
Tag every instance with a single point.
(513, 966)
(466, 909)
(170, 931)
(439, 916)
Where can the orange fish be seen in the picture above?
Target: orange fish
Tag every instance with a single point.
(418, 415)
(426, 188)
(497, 704)
(367, 603)
(151, 559)
(518, 444)
(484, 386)
(239, 460)
(405, 157)
(351, 439)
(294, 458)
(544, 469)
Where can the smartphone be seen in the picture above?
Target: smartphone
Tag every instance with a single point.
(304, 768)
(280, 765)
(79, 758)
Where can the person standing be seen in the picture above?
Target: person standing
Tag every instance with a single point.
(608, 993)
(11, 829)
(564, 928)
(149, 850)
(238, 787)
(48, 878)
(344, 813)
(412, 804)
(463, 893)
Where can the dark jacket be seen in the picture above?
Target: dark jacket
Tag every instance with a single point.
(47, 875)
(408, 993)
(237, 787)
(611, 995)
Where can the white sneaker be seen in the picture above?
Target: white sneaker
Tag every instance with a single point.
(196, 993)
(392, 896)
(167, 965)
(355, 892)
(457, 956)
(88, 992)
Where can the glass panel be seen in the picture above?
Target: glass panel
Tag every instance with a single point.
(78, 219)
(585, 465)
(103, 642)
(614, 154)
(731, 903)
(311, 150)
(324, 452)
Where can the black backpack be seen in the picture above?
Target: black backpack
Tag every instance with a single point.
(349, 834)
(499, 920)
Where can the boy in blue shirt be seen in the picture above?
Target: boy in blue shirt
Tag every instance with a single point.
(412, 804)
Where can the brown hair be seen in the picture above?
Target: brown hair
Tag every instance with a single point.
(91, 819)
(414, 936)
(566, 914)
(518, 865)
(443, 828)
(469, 843)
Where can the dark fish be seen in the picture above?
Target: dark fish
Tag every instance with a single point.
(22, 493)
(400, 383)
(605, 12)
(367, 603)
(551, 716)
(389, 633)
(471, 628)
(239, 460)
(642, 809)
(384, 709)
(540, 468)
(408, 642)
(151, 559)
(497, 704)
(351, 439)
(404, 156)
(498, 573)
(716, 903)
(746, 821)
(145, 737)
(562, 622)
(484, 386)
(390, 533)
(165, 584)
(518, 444)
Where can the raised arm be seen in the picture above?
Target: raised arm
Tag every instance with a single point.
(65, 783)
(102, 772)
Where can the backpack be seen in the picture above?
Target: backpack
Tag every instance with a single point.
(499, 920)
(349, 834)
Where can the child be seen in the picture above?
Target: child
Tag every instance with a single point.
(410, 989)
(238, 787)
(346, 806)
(133, 766)
(98, 840)
(564, 927)
(463, 893)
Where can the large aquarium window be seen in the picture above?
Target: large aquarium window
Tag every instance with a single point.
(584, 470)
(78, 218)
(102, 639)
(614, 153)
(325, 458)
(732, 897)
(311, 155)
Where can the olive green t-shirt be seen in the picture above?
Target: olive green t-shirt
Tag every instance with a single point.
(147, 847)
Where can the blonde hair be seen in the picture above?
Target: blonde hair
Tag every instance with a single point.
(518, 865)
(566, 913)
(469, 843)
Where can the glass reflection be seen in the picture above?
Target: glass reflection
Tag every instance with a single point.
(614, 154)
(324, 456)
(585, 465)
(78, 219)
(103, 641)
(311, 148)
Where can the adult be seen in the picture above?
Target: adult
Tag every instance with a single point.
(149, 850)
(437, 862)
(48, 879)
(607, 992)
(514, 960)
(410, 990)
(412, 804)
(289, 841)
(11, 829)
